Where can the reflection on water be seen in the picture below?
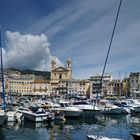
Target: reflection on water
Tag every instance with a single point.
(117, 126)
(2, 135)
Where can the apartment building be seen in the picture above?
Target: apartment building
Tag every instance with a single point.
(100, 86)
(21, 84)
(135, 83)
(41, 87)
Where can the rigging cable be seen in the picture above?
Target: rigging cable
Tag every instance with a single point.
(101, 82)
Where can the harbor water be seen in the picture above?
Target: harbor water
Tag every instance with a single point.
(113, 126)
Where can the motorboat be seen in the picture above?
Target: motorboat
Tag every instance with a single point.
(112, 109)
(69, 110)
(136, 105)
(93, 137)
(10, 115)
(131, 104)
(55, 108)
(37, 114)
(88, 109)
(108, 108)
(59, 113)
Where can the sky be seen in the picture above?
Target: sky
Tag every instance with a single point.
(36, 31)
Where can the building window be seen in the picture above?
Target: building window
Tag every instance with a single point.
(60, 76)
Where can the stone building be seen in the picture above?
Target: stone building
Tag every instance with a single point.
(21, 84)
(41, 87)
(135, 83)
(104, 88)
(60, 77)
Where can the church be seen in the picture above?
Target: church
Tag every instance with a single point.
(60, 76)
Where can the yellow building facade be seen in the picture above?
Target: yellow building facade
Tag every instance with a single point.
(20, 84)
(60, 77)
(41, 87)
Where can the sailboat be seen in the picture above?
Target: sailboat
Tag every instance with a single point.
(3, 105)
(94, 137)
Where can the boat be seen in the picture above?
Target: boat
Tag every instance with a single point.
(108, 108)
(112, 109)
(131, 105)
(18, 117)
(125, 109)
(10, 115)
(55, 108)
(88, 109)
(136, 105)
(37, 114)
(59, 113)
(93, 137)
(13, 115)
(136, 135)
(70, 111)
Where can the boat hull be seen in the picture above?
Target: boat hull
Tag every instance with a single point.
(89, 112)
(112, 111)
(137, 109)
(36, 117)
(92, 137)
(10, 116)
(69, 113)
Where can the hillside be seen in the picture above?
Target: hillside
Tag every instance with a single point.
(44, 74)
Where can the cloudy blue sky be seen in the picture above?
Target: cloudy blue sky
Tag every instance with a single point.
(36, 31)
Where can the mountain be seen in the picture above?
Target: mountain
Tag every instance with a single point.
(44, 74)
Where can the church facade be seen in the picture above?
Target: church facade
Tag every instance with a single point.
(60, 77)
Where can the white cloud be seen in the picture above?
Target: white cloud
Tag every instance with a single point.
(28, 51)
(83, 32)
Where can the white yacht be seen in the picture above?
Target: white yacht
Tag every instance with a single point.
(112, 109)
(40, 115)
(108, 108)
(93, 137)
(132, 104)
(70, 111)
(125, 109)
(88, 109)
(55, 108)
(11, 115)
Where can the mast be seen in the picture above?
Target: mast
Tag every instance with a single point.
(126, 85)
(120, 87)
(110, 44)
(2, 77)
